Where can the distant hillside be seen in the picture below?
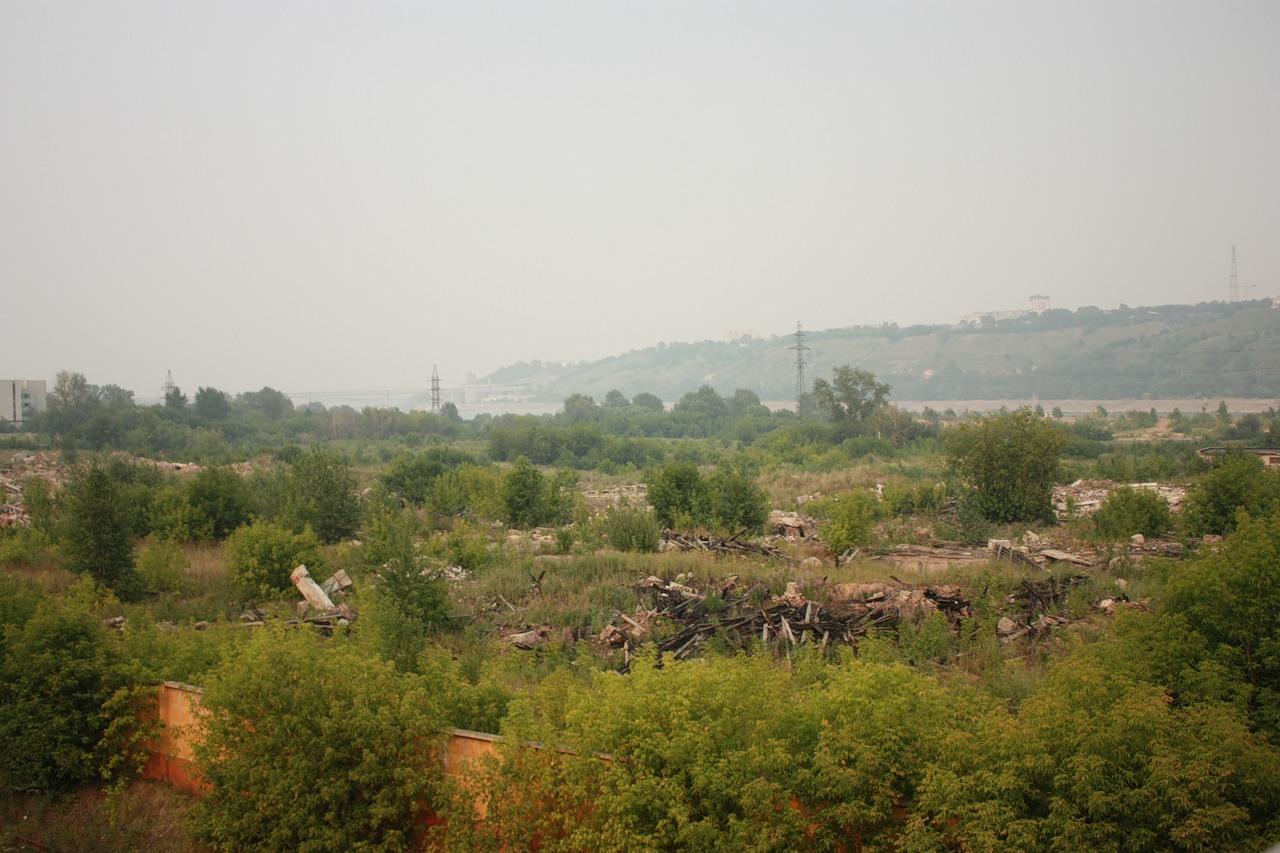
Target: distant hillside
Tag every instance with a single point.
(1213, 349)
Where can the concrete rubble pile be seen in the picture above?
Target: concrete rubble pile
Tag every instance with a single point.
(1083, 497)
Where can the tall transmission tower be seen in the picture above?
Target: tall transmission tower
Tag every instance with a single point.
(435, 390)
(1235, 278)
(169, 385)
(800, 350)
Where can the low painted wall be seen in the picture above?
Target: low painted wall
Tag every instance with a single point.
(177, 709)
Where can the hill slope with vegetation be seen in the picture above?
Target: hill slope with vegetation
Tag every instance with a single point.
(1209, 350)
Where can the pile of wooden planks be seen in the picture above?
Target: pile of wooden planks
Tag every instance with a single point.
(735, 544)
(741, 614)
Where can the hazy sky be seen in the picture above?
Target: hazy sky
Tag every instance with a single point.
(336, 195)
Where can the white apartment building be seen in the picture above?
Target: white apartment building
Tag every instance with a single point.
(22, 398)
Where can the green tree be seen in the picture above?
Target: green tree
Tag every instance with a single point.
(849, 400)
(72, 401)
(174, 398)
(315, 747)
(113, 396)
(272, 403)
(1238, 481)
(524, 494)
(63, 696)
(1009, 461)
(212, 404)
(320, 492)
(580, 408)
(680, 497)
(1126, 511)
(737, 503)
(96, 529)
(647, 402)
(262, 555)
(851, 521)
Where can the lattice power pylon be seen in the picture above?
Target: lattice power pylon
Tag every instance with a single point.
(800, 350)
(1235, 277)
(435, 390)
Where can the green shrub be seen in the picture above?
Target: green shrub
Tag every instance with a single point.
(851, 521)
(313, 746)
(524, 495)
(737, 503)
(261, 556)
(25, 546)
(465, 546)
(62, 697)
(1009, 461)
(320, 492)
(1238, 481)
(96, 529)
(1126, 511)
(160, 565)
(680, 497)
(630, 528)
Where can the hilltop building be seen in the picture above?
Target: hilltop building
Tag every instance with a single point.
(1039, 305)
(22, 398)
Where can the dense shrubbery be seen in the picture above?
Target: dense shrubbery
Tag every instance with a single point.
(66, 702)
(851, 520)
(1238, 481)
(1126, 511)
(261, 556)
(1010, 461)
(331, 733)
(630, 528)
(728, 500)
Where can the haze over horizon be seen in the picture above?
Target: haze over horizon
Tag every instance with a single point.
(321, 196)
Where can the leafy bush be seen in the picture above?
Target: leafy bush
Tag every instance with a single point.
(630, 528)
(524, 495)
(25, 546)
(1010, 461)
(465, 546)
(1126, 511)
(261, 556)
(320, 492)
(851, 521)
(221, 500)
(679, 496)
(1238, 481)
(63, 701)
(737, 503)
(96, 529)
(160, 565)
(338, 753)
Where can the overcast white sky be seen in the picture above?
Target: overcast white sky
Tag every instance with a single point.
(336, 195)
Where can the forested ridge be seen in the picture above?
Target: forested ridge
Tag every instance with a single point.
(1166, 351)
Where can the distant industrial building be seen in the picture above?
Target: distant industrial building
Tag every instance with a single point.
(22, 398)
(1039, 305)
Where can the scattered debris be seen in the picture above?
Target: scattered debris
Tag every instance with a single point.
(791, 618)
(1083, 497)
(792, 526)
(526, 637)
(675, 541)
(311, 591)
(338, 582)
